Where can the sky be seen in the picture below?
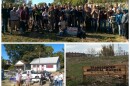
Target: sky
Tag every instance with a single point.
(46, 1)
(83, 48)
(56, 47)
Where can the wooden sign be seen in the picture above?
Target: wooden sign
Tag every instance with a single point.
(105, 70)
(112, 70)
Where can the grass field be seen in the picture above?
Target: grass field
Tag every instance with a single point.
(75, 72)
(52, 37)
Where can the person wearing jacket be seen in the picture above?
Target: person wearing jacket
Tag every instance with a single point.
(118, 21)
(14, 18)
(22, 20)
(4, 18)
(124, 21)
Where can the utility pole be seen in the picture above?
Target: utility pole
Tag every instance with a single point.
(39, 61)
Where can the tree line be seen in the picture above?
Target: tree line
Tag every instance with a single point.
(80, 2)
(106, 50)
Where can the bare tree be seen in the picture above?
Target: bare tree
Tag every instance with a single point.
(91, 51)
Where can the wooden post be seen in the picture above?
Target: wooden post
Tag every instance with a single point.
(124, 80)
(124, 76)
(84, 76)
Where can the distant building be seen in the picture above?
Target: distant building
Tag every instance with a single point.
(51, 64)
(20, 65)
(8, 62)
(76, 54)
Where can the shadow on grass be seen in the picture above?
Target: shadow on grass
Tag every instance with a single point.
(100, 37)
(41, 36)
(54, 37)
(49, 36)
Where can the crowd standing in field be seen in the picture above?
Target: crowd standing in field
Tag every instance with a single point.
(92, 18)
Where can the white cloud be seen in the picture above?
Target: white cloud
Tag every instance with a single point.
(83, 48)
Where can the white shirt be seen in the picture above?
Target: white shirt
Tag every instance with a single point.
(55, 77)
(45, 14)
(18, 77)
(60, 77)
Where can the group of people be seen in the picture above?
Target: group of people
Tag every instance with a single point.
(55, 79)
(58, 79)
(19, 80)
(56, 18)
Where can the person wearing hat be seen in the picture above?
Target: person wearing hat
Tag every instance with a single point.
(18, 78)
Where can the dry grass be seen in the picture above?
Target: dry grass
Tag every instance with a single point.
(51, 37)
(75, 64)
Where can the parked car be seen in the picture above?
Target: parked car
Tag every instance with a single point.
(35, 77)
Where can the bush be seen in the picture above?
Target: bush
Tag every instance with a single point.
(11, 67)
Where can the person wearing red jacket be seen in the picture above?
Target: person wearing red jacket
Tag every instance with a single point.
(22, 20)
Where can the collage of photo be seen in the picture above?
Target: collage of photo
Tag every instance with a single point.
(64, 43)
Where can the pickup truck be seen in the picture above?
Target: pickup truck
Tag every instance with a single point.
(35, 77)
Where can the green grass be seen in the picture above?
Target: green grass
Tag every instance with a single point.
(51, 37)
(75, 64)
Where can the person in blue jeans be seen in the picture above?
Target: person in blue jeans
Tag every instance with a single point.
(111, 16)
(102, 20)
(4, 19)
(118, 21)
(125, 19)
(55, 80)
(94, 13)
(60, 79)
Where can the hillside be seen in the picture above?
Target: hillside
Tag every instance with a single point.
(74, 70)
